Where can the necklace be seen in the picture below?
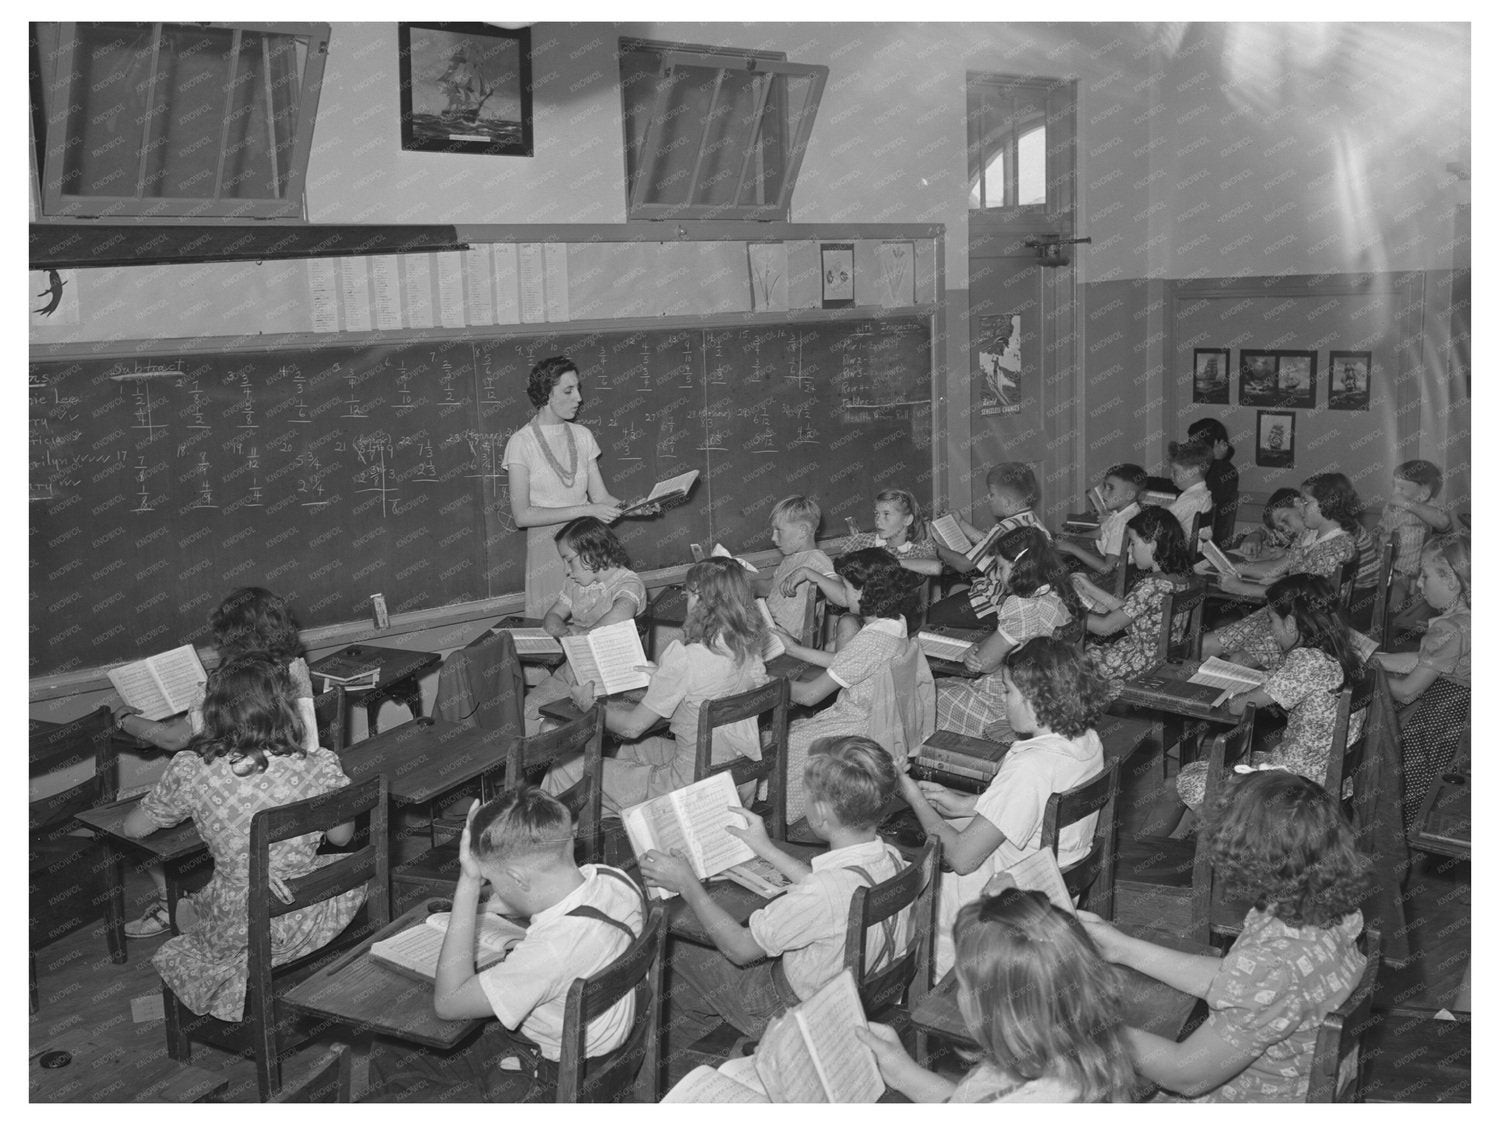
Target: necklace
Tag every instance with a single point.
(568, 475)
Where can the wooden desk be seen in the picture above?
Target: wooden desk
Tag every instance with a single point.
(541, 659)
(374, 1000)
(738, 902)
(178, 849)
(1217, 592)
(1149, 1005)
(1165, 688)
(40, 726)
(398, 683)
(1445, 824)
(788, 667)
(425, 758)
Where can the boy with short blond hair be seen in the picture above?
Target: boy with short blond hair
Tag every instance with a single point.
(794, 531)
(582, 920)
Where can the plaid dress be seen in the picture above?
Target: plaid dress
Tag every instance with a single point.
(977, 707)
(206, 967)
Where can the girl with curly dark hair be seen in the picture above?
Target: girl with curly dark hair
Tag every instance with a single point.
(1280, 840)
(248, 757)
(250, 619)
(1040, 602)
(719, 655)
(1161, 555)
(881, 593)
(1053, 698)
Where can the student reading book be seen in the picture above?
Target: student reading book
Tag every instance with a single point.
(163, 685)
(414, 951)
(692, 822)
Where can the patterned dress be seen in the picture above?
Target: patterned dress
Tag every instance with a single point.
(1273, 989)
(1307, 685)
(855, 669)
(1323, 557)
(1135, 652)
(586, 605)
(1433, 723)
(206, 967)
(977, 707)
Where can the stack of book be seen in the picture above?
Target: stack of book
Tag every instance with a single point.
(959, 761)
(349, 669)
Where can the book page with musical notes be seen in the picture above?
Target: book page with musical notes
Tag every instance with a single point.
(704, 807)
(845, 1066)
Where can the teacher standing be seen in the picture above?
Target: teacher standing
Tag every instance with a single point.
(554, 477)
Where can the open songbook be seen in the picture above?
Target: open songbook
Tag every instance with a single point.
(773, 646)
(692, 820)
(934, 644)
(1233, 678)
(534, 642)
(414, 952)
(1219, 560)
(722, 552)
(609, 657)
(667, 493)
(1096, 501)
(1038, 871)
(946, 530)
(162, 685)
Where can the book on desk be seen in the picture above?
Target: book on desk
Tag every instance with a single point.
(414, 952)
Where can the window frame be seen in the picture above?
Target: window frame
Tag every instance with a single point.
(1059, 97)
(641, 164)
(53, 94)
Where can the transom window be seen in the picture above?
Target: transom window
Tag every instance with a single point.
(1013, 125)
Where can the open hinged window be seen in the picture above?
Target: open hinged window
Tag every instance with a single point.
(1020, 144)
(714, 135)
(184, 119)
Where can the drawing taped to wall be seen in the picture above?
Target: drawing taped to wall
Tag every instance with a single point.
(1000, 364)
(1348, 380)
(1275, 439)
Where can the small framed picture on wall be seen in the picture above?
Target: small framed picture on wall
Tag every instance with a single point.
(838, 274)
(1275, 439)
(1278, 378)
(1211, 376)
(1348, 380)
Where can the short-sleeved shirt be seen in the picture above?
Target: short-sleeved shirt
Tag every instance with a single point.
(688, 674)
(1135, 652)
(1015, 802)
(1411, 534)
(790, 612)
(924, 548)
(806, 927)
(986, 590)
(1447, 644)
(547, 488)
(986, 1084)
(530, 987)
(1307, 685)
(1111, 539)
(1270, 995)
(1039, 615)
(1322, 555)
(587, 604)
(1191, 501)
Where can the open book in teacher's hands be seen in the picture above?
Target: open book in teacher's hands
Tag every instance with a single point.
(163, 685)
(610, 657)
(691, 821)
(667, 494)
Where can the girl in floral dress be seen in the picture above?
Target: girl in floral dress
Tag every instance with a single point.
(1160, 554)
(248, 757)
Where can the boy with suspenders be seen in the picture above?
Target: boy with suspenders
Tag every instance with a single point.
(850, 783)
(582, 920)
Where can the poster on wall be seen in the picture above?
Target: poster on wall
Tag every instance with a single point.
(1278, 378)
(1000, 364)
(465, 87)
(1275, 439)
(1211, 376)
(1348, 380)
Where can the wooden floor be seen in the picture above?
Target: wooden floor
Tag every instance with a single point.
(86, 1011)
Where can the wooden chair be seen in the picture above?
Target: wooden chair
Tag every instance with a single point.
(1182, 617)
(773, 699)
(1338, 1066)
(329, 708)
(1092, 875)
(261, 1033)
(612, 1078)
(1380, 609)
(1156, 877)
(483, 683)
(530, 758)
(330, 1081)
(1348, 575)
(897, 979)
(74, 879)
(1346, 756)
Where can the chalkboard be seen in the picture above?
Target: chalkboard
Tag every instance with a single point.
(335, 471)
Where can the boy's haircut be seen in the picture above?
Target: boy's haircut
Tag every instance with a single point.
(1133, 475)
(1060, 682)
(1208, 432)
(594, 542)
(1016, 478)
(854, 776)
(1424, 473)
(519, 824)
(798, 509)
(1190, 455)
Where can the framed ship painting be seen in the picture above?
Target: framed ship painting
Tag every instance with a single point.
(1278, 378)
(1275, 439)
(465, 87)
(1211, 376)
(1348, 380)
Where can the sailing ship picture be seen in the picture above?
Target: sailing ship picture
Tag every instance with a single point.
(465, 87)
